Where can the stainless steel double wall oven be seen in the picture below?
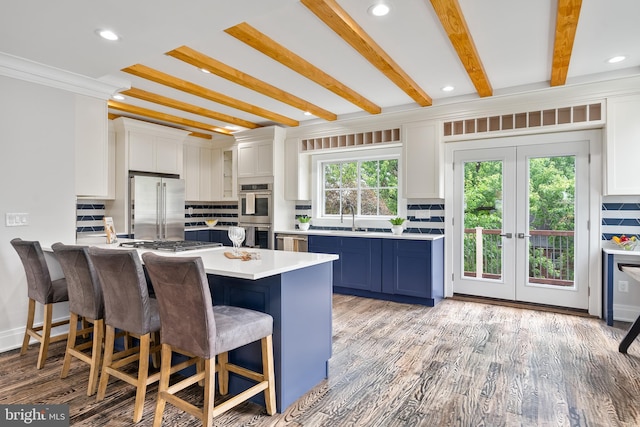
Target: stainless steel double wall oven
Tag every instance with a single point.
(255, 213)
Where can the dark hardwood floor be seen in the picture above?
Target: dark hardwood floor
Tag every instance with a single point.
(459, 364)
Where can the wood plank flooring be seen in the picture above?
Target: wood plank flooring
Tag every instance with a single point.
(460, 363)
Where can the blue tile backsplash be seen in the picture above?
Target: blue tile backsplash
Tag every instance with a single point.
(620, 215)
(90, 215)
(432, 225)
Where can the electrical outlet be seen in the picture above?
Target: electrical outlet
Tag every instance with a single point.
(623, 286)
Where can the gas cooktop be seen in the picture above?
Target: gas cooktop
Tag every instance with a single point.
(170, 245)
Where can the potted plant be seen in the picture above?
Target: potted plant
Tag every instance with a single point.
(396, 225)
(304, 222)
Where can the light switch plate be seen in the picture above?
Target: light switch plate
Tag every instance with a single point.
(16, 219)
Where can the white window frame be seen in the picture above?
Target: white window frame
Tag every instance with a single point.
(362, 154)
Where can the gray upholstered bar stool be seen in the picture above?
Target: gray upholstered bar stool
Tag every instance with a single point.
(43, 290)
(85, 301)
(128, 308)
(193, 326)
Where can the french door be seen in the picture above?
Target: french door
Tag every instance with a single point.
(522, 223)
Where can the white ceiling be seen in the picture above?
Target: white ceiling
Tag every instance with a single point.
(514, 40)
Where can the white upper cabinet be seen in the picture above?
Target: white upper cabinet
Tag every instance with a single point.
(154, 153)
(209, 171)
(255, 159)
(423, 161)
(622, 147)
(256, 151)
(91, 147)
(297, 169)
(147, 147)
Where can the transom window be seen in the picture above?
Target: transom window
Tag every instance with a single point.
(369, 186)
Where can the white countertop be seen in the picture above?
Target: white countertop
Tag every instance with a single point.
(270, 263)
(369, 234)
(613, 249)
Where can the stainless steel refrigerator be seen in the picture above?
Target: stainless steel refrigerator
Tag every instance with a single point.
(157, 207)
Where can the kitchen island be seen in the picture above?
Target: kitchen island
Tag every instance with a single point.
(294, 288)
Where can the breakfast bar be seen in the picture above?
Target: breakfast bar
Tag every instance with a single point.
(296, 290)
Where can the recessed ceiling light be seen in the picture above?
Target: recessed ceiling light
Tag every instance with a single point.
(118, 97)
(204, 70)
(448, 88)
(616, 59)
(108, 35)
(306, 113)
(379, 9)
(230, 127)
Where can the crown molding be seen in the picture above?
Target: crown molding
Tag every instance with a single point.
(34, 72)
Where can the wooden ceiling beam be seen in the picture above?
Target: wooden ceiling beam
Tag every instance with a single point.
(259, 41)
(566, 25)
(132, 109)
(189, 108)
(200, 60)
(194, 89)
(455, 26)
(336, 18)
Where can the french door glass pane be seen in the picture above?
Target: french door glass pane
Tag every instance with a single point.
(552, 184)
(483, 219)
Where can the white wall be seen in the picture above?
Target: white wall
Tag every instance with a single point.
(36, 177)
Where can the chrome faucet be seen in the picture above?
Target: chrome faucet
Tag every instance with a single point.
(353, 215)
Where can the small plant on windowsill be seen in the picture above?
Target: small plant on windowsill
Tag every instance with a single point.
(304, 222)
(396, 225)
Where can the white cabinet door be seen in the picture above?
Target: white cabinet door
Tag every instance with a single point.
(255, 159)
(622, 147)
(191, 172)
(152, 153)
(141, 152)
(246, 160)
(264, 159)
(91, 147)
(422, 161)
(297, 173)
(168, 155)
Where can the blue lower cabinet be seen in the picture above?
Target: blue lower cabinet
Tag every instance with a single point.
(221, 236)
(401, 270)
(360, 263)
(195, 235)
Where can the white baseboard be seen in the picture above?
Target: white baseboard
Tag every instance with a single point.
(625, 313)
(12, 338)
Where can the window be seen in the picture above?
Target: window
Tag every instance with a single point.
(369, 186)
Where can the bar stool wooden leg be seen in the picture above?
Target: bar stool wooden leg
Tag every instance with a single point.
(46, 336)
(269, 374)
(163, 384)
(108, 359)
(96, 352)
(71, 342)
(223, 373)
(209, 392)
(31, 314)
(143, 373)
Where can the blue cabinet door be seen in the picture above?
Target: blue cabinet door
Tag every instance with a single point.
(407, 267)
(221, 236)
(361, 267)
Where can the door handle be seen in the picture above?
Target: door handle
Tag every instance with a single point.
(522, 235)
(507, 235)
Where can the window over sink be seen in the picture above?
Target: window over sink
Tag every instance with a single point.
(366, 181)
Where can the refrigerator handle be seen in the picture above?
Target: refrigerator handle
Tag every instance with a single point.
(164, 210)
(158, 211)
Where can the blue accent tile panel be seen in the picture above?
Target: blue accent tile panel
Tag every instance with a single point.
(620, 215)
